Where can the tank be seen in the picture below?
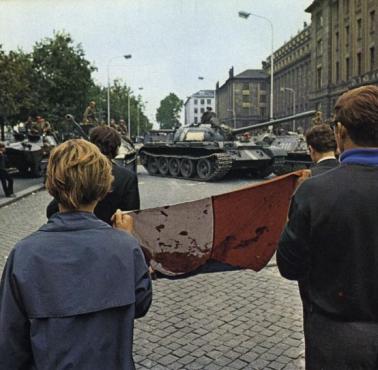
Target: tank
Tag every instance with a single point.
(297, 157)
(70, 129)
(208, 152)
(29, 153)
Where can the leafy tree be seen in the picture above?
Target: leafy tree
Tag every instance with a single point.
(119, 94)
(17, 95)
(63, 76)
(168, 113)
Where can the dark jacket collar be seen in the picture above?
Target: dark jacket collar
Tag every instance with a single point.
(71, 221)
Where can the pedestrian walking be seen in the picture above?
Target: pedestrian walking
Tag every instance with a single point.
(321, 143)
(125, 191)
(70, 291)
(330, 244)
(5, 178)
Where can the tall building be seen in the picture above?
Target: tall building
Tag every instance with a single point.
(242, 99)
(292, 75)
(344, 40)
(196, 105)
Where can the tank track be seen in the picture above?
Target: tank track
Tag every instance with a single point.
(222, 164)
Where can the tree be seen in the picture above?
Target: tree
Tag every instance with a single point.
(169, 111)
(63, 76)
(17, 95)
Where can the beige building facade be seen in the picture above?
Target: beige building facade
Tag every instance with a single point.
(344, 40)
(242, 100)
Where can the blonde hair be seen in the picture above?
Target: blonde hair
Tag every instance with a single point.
(78, 174)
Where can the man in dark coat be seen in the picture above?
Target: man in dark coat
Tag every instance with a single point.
(125, 192)
(70, 291)
(322, 146)
(330, 244)
(208, 115)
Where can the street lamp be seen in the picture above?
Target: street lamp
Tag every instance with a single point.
(139, 88)
(246, 15)
(126, 56)
(283, 89)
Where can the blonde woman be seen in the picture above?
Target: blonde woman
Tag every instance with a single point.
(70, 291)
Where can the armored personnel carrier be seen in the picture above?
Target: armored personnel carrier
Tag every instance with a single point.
(29, 152)
(207, 152)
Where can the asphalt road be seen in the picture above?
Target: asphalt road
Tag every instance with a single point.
(22, 183)
(223, 320)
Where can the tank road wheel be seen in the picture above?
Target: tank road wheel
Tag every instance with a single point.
(163, 165)
(153, 166)
(143, 159)
(204, 168)
(174, 166)
(187, 168)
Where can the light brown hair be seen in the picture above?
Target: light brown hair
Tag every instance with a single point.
(321, 138)
(78, 174)
(357, 111)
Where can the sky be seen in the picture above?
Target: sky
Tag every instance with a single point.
(172, 42)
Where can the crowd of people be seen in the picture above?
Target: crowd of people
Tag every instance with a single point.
(84, 275)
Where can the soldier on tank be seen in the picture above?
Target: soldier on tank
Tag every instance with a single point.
(89, 116)
(208, 115)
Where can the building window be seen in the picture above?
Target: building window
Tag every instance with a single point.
(202, 110)
(320, 47)
(195, 119)
(202, 101)
(262, 112)
(337, 71)
(359, 64)
(346, 6)
(319, 20)
(372, 58)
(359, 29)
(372, 21)
(319, 78)
(337, 40)
(195, 101)
(347, 68)
(245, 86)
(347, 35)
(208, 101)
(263, 98)
(358, 3)
(195, 110)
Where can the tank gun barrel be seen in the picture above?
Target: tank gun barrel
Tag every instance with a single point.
(274, 122)
(70, 117)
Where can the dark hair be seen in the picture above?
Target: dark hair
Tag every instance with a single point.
(321, 138)
(357, 111)
(107, 139)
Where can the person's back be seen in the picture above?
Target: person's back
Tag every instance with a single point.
(70, 292)
(343, 238)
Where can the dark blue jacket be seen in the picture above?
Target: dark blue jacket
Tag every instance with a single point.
(69, 295)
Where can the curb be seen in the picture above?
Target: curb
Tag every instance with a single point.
(21, 194)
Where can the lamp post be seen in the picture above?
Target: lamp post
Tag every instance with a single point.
(139, 88)
(246, 15)
(283, 89)
(126, 56)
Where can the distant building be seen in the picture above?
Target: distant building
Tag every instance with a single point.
(344, 40)
(242, 99)
(292, 76)
(196, 105)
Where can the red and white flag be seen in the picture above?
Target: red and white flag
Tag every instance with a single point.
(240, 228)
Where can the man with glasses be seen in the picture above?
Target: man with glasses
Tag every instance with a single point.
(330, 244)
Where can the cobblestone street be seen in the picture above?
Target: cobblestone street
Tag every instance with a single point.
(223, 320)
